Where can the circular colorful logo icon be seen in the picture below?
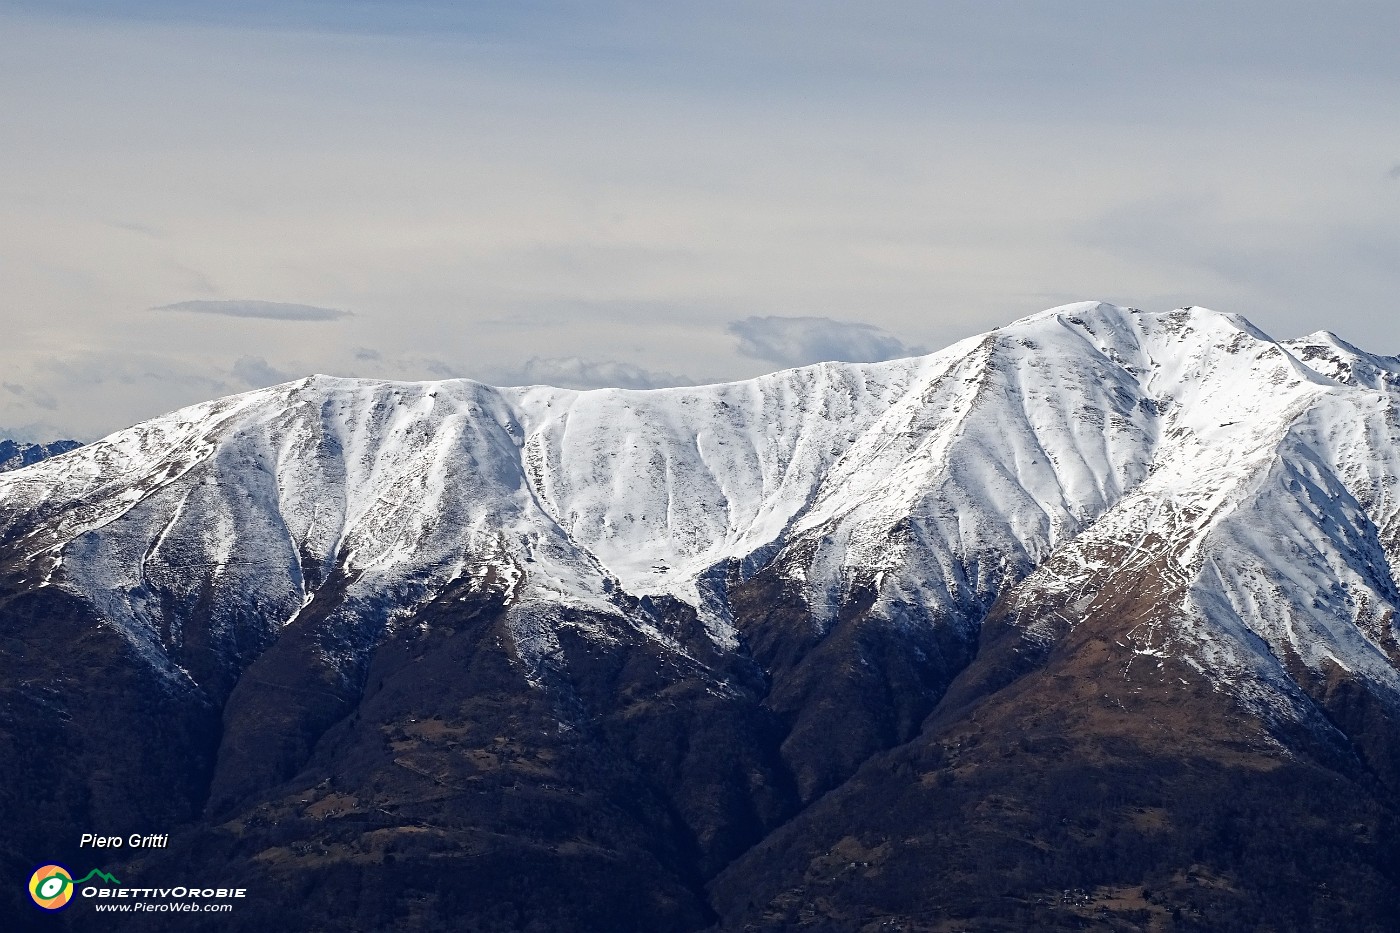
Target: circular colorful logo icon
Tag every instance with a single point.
(51, 887)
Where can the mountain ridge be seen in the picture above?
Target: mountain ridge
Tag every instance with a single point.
(868, 450)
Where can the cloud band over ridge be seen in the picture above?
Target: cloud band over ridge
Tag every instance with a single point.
(797, 341)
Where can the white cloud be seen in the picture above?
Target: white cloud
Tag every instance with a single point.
(796, 341)
(257, 372)
(268, 310)
(572, 372)
(100, 391)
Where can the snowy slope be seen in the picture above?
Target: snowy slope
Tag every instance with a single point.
(1257, 479)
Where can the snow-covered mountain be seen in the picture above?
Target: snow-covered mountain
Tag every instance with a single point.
(1058, 452)
(747, 594)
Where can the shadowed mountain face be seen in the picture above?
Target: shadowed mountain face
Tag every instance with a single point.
(1086, 623)
(16, 454)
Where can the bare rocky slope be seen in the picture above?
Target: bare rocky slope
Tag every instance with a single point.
(1087, 622)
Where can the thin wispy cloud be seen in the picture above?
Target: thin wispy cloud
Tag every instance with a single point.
(797, 341)
(36, 397)
(132, 226)
(267, 310)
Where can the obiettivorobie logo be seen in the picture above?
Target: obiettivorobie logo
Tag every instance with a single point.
(51, 886)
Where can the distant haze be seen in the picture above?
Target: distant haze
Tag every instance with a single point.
(199, 199)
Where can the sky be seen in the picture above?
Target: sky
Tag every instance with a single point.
(198, 199)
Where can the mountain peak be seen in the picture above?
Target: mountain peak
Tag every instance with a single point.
(1099, 310)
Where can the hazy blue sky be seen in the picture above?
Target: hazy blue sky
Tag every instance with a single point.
(200, 198)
